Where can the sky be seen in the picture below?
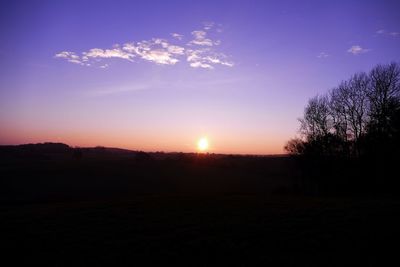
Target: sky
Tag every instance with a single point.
(159, 75)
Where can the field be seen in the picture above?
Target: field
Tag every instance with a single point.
(118, 208)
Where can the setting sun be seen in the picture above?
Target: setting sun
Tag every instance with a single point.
(202, 144)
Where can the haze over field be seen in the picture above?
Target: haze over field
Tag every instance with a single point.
(161, 75)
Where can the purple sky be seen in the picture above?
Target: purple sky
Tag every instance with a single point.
(157, 75)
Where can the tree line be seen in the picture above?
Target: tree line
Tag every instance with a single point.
(358, 118)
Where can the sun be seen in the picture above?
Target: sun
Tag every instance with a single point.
(202, 144)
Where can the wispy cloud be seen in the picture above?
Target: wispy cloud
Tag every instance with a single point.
(200, 39)
(323, 55)
(177, 36)
(356, 49)
(206, 58)
(388, 33)
(71, 57)
(153, 84)
(212, 26)
(174, 49)
(199, 64)
(208, 25)
(107, 53)
(156, 50)
(198, 52)
(118, 90)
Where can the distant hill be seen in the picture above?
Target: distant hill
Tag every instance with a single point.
(40, 147)
(35, 150)
(49, 149)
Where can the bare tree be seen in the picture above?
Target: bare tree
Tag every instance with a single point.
(354, 101)
(295, 146)
(316, 121)
(361, 114)
(338, 112)
(384, 95)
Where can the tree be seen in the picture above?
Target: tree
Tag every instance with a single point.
(338, 112)
(360, 113)
(384, 95)
(352, 134)
(295, 146)
(316, 121)
(349, 106)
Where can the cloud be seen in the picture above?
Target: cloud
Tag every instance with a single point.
(228, 64)
(387, 33)
(199, 52)
(208, 25)
(70, 57)
(177, 36)
(118, 90)
(205, 58)
(159, 57)
(200, 39)
(64, 54)
(199, 34)
(156, 50)
(198, 64)
(322, 55)
(212, 26)
(174, 49)
(94, 53)
(108, 53)
(356, 49)
(206, 42)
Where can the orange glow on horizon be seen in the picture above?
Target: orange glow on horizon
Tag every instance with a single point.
(145, 141)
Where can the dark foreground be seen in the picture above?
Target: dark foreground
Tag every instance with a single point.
(124, 210)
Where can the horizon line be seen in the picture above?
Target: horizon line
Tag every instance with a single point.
(151, 151)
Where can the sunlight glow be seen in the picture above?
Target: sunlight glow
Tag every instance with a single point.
(202, 144)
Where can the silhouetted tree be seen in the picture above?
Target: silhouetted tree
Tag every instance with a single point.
(384, 96)
(360, 111)
(356, 126)
(316, 122)
(338, 113)
(349, 109)
(295, 146)
(356, 102)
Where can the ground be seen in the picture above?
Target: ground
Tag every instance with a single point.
(185, 211)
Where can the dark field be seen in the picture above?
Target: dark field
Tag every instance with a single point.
(119, 208)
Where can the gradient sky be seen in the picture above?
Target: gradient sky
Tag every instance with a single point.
(158, 75)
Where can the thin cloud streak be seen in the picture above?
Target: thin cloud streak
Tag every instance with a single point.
(117, 90)
(393, 34)
(323, 55)
(167, 84)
